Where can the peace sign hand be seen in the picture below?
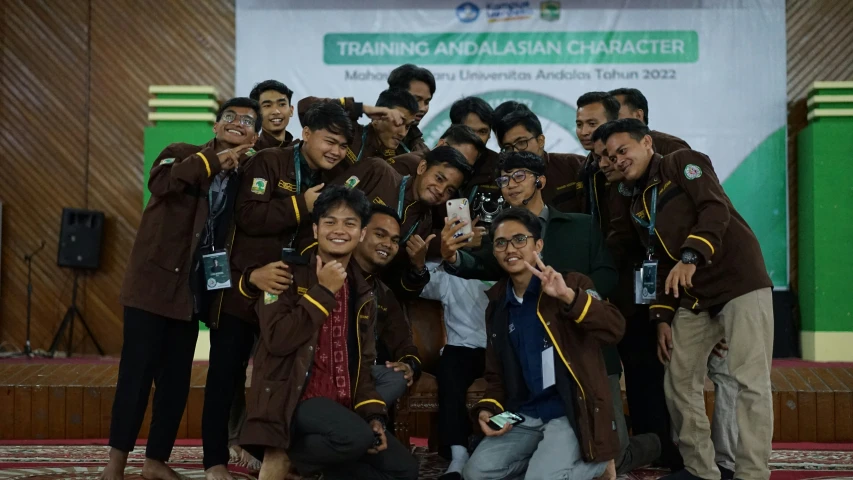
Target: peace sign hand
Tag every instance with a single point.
(553, 283)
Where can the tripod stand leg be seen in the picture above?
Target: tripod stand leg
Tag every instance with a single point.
(86, 326)
(69, 315)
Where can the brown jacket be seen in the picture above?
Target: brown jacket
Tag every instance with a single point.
(158, 271)
(694, 212)
(664, 143)
(564, 186)
(267, 218)
(381, 184)
(289, 330)
(393, 331)
(578, 332)
(266, 140)
(414, 142)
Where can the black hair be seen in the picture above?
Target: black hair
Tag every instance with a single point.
(464, 106)
(268, 85)
(334, 196)
(506, 108)
(328, 116)
(396, 97)
(463, 135)
(523, 117)
(379, 209)
(608, 101)
(527, 160)
(631, 126)
(452, 157)
(520, 215)
(402, 76)
(634, 99)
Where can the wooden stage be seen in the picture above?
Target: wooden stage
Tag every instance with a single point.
(72, 399)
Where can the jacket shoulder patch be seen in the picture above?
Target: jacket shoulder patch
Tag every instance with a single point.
(167, 161)
(352, 182)
(692, 171)
(270, 298)
(259, 186)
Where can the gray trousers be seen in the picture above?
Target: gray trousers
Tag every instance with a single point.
(390, 385)
(724, 423)
(636, 451)
(532, 450)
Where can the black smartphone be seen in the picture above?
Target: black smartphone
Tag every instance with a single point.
(291, 257)
(497, 422)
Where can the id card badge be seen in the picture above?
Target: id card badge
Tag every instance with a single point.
(217, 270)
(548, 367)
(645, 283)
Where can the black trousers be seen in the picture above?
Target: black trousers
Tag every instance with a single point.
(157, 349)
(230, 347)
(644, 385)
(458, 367)
(332, 439)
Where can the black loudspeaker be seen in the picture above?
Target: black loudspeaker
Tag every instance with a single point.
(80, 236)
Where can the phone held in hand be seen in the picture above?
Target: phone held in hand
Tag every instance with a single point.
(497, 422)
(291, 257)
(458, 210)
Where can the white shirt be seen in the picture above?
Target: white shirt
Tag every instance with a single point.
(464, 303)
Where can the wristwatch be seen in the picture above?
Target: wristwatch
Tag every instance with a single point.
(689, 256)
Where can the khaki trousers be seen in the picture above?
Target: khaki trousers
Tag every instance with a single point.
(747, 324)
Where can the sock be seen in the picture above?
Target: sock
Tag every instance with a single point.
(458, 459)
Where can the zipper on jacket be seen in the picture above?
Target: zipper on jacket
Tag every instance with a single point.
(358, 340)
(566, 363)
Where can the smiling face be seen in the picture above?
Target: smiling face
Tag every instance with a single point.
(420, 91)
(515, 192)
(512, 258)
(391, 135)
(338, 231)
(276, 111)
(589, 118)
(607, 167)
(437, 184)
(381, 243)
(234, 133)
(322, 148)
(631, 157)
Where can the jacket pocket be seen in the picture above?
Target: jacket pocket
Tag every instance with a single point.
(602, 422)
(270, 401)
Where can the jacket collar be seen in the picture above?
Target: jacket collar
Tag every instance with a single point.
(652, 175)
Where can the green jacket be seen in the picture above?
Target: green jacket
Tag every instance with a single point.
(573, 243)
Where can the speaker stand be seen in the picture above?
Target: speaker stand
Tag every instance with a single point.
(68, 322)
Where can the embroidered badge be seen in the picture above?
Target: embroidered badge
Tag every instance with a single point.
(251, 152)
(379, 201)
(301, 290)
(287, 186)
(593, 294)
(259, 186)
(624, 190)
(167, 161)
(692, 172)
(270, 298)
(352, 182)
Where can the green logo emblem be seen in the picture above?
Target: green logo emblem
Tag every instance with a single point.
(549, 11)
(352, 182)
(692, 172)
(167, 161)
(270, 298)
(259, 186)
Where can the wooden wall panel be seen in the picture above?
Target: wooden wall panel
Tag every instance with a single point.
(74, 88)
(43, 125)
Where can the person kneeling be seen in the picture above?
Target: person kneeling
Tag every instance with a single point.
(543, 362)
(313, 399)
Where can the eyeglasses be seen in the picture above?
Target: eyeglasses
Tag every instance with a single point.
(245, 120)
(518, 241)
(517, 176)
(517, 146)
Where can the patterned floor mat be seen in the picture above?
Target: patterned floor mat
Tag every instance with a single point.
(86, 461)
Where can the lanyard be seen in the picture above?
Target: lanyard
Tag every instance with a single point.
(400, 209)
(405, 147)
(363, 141)
(650, 224)
(297, 161)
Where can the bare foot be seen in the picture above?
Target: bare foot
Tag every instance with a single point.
(276, 465)
(157, 470)
(217, 472)
(234, 452)
(115, 468)
(252, 464)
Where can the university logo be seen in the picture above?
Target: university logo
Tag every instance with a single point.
(508, 11)
(259, 186)
(549, 11)
(467, 12)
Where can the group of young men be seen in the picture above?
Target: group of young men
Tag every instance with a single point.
(577, 268)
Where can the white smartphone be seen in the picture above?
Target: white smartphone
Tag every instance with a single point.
(459, 211)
